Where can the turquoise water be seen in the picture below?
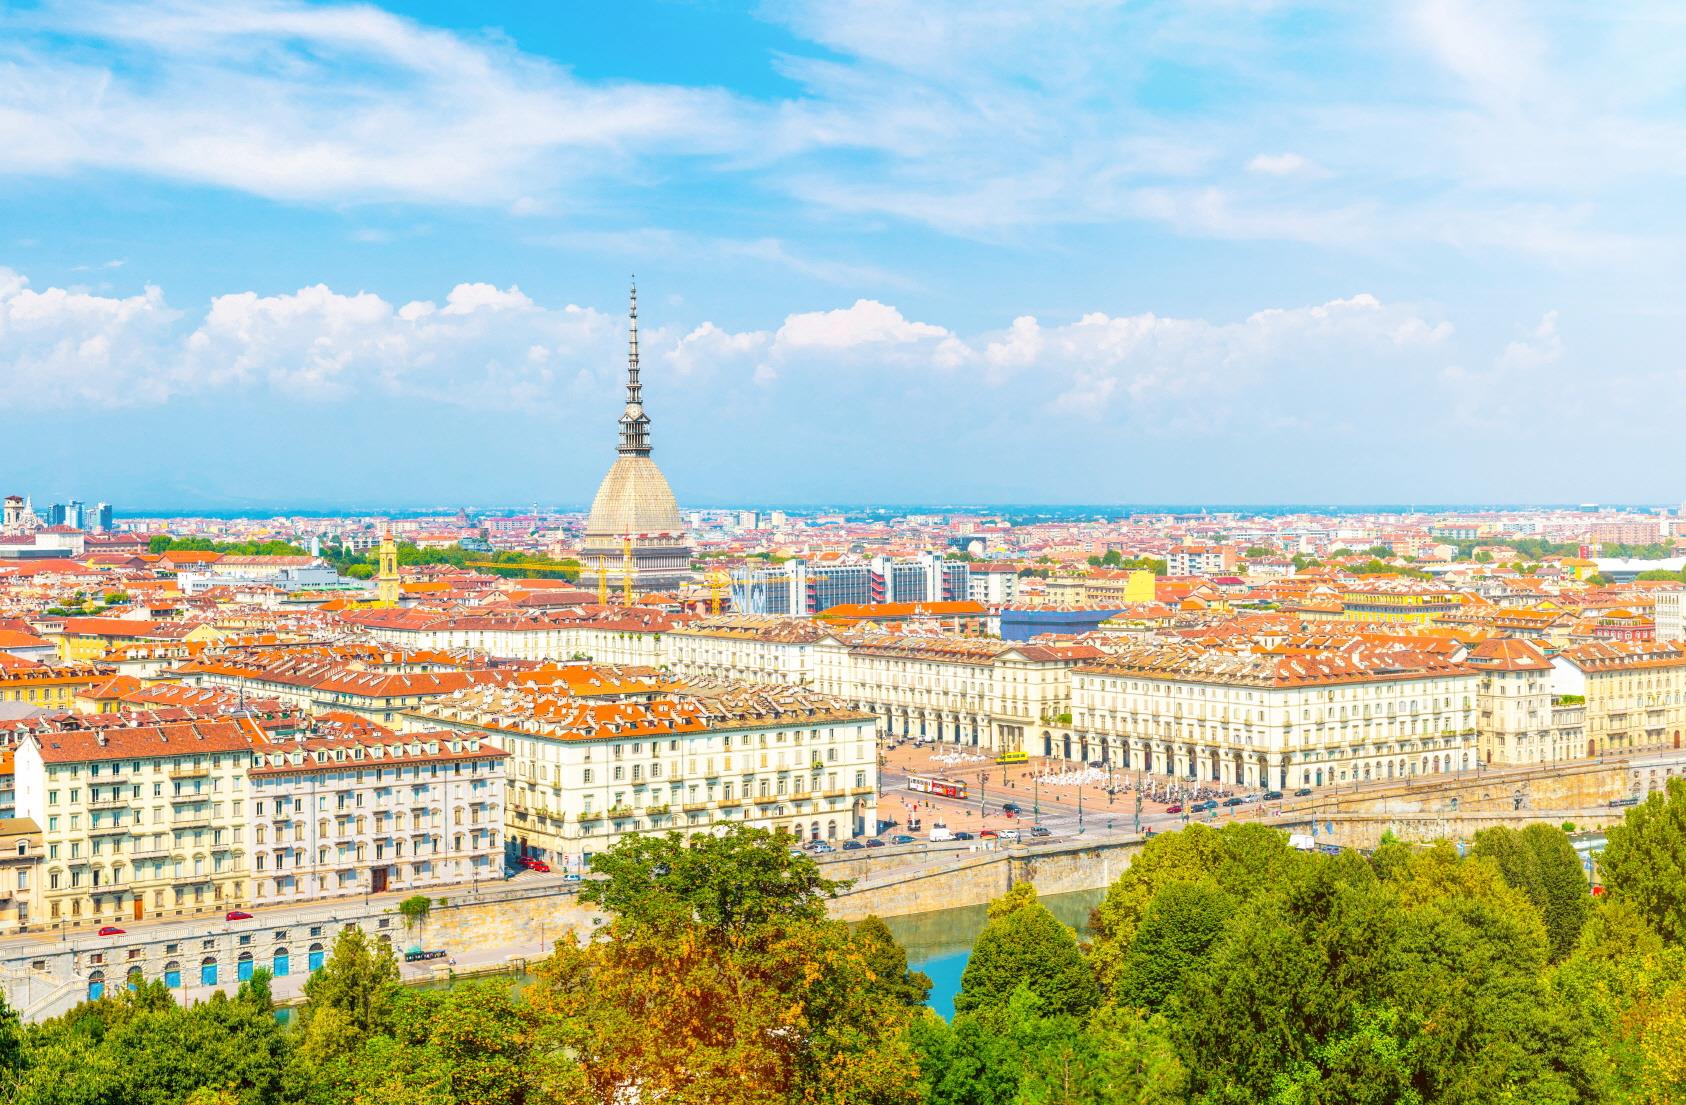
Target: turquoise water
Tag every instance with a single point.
(940, 943)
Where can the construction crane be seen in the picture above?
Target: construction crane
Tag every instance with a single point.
(718, 582)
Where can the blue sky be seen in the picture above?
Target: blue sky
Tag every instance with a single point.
(267, 253)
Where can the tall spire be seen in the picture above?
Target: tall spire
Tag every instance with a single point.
(635, 424)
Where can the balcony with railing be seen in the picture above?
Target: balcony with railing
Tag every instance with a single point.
(191, 820)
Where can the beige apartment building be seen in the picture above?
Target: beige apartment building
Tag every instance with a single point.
(1517, 721)
(142, 821)
(20, 875)
(1276, 720)
(756, 648)
(1634, 693)
(584, 772)
(997, 695)
(612, 635)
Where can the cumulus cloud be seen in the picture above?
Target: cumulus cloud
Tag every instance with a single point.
(1316, 367)
(486, 346)
(867, 322)
(66, 347)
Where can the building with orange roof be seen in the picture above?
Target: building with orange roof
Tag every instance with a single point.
(391, 812)
(587, 770)
(1003, 696)
(374, 684)
(49, 686)
(630, 635)
(1517, 719)
(139, 821)
(1241, 716)
(1634, 693)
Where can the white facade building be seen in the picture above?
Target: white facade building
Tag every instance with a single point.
(369, 812)
(1276, 721)
(584, 772)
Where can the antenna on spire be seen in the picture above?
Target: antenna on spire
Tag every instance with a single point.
(632, 336)
(635, 424)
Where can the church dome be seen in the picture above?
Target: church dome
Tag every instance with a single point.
(634, 498)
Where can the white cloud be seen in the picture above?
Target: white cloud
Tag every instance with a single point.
(1328, 371)
(1281, 164)
(64, 348)
(867, 322)
(304, 102)
(708, 347)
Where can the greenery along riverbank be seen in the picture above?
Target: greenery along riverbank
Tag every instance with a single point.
(1225, 968)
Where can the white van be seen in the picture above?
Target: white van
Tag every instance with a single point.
(939, 832)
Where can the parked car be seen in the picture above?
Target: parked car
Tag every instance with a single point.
(962, 835)
(1175, 807)
(875, 843)
(1273, 796)
(1009, 834)
(570, 877)
(1232, 802)
(797, 853)
(1012, 807)
(988, 834)
(533, 864)
(1208, 804)
(820, 847)
(238, 915)
(1041, 830)
(852, 846)
(1302, 792)
(901, 838)
(111, 930)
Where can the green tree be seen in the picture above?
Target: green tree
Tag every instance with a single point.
(1540, 861)
(888, 962)
(1182, 922)
(1254, 552)
(718, 978)
(139, 1048)
(741, 879)
(1426, 986)
(11, 1043)
(1644, 862)
(350, 998)
(1024, 944)
(1242, 859)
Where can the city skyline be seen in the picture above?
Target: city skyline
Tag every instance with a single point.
(1254, 255)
